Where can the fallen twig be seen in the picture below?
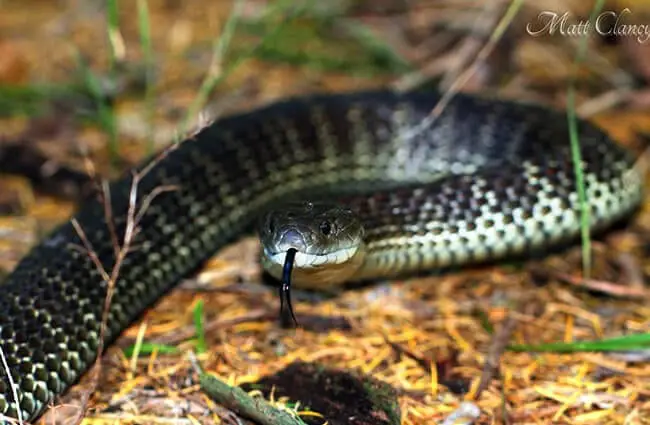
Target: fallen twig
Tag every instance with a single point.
(610, 288)
(497, 347)
(237, 400)
(633, 290)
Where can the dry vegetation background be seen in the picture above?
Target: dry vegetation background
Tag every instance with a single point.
(62, 98)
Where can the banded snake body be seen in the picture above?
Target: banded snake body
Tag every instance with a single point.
(485, 180)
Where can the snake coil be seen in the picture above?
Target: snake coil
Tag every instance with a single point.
(485, 180)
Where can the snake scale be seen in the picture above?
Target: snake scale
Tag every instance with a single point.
(485, 180)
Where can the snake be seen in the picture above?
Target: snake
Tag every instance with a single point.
(362, 185)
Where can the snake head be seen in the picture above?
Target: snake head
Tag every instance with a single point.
(327, 238)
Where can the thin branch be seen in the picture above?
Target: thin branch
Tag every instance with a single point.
(88, 249)
(12, 384)
(108, 215)
(610, 288)
(159, 157)
(157, 191)
(133, 217)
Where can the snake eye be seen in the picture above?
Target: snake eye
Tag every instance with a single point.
(325, 228)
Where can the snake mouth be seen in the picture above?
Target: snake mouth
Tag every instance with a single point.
(304, 260)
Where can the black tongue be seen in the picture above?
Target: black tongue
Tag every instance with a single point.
(286, 310)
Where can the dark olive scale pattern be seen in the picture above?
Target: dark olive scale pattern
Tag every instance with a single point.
(485, 180)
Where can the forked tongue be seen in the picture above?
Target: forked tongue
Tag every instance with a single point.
(286, 310)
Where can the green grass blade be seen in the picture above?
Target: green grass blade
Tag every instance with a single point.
(624, 343)
(485, 322)
(201, 346)
(379, 50)
(215, 73)
(106, 114)
(144, 28)
(137, 347)
(31, 100)
(114, 52)
(220, 49)
(148, 348)
(113, 31)
(585, 213)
